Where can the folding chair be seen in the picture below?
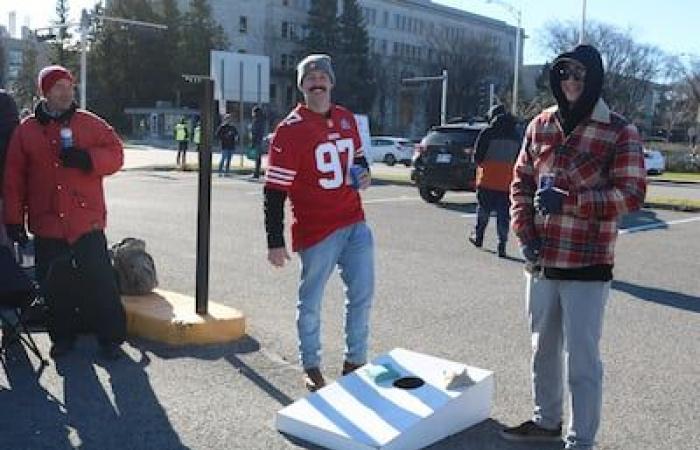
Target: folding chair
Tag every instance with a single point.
(17, 294)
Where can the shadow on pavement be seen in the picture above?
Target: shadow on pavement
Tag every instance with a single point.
(131, 417)
(30, 416)
(229, 352)
(643, 218)
(482, 436)
(464, 208)
(660, 296)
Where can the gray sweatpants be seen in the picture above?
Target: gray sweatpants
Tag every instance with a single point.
(567, 316)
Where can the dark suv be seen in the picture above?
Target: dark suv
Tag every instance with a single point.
(444, 160)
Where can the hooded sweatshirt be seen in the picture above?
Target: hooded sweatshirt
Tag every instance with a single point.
(571, 115)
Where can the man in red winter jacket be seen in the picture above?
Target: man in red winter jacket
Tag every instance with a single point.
(53, 176)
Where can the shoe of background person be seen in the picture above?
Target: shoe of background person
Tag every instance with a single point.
(110, 351)
(531, 432)
(476, 240)
(349, 367)
(61, 348)
(313, 379)
(501, 249)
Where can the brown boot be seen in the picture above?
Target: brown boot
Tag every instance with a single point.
(349, 367)
(313, 379)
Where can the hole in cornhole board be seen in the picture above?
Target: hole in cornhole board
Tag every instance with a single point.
(408, 383)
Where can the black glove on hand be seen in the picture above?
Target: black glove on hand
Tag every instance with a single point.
(531, 250)
(549, 201)
(76, 158)
(17, 233)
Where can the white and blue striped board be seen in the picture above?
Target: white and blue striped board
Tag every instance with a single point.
(356, 413)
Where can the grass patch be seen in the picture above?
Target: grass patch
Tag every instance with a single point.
(677, 176)
(680, 204)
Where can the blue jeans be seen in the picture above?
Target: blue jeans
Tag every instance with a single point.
(490, 200)
(566, 321)
(352, 250)
(225, 160)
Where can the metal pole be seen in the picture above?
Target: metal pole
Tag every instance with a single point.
(204, 199)
(516, 69)
(443, 103)
(240, 110)
(492, 95)
(582, 34)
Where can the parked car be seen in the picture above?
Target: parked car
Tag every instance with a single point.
(444, 160)
(391, 150)
(654, 162)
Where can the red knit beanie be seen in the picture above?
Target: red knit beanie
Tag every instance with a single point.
(49, 75)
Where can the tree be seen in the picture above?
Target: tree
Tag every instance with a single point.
(25, 86)
(470, 62)
(200, 34)
(62, 51)
(630, 67)
(355, 86)
(322, 28)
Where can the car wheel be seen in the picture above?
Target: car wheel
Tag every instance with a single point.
(389, 159)
(431, 194)
(407, 163)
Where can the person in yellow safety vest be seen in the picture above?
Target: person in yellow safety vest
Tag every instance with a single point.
(197, 135)
(182, 135)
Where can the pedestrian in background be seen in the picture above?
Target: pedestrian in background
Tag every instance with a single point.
(257, 134)
(316, 158)
(496, 151)
(580, 169)
(197, 135)
(8, 121)
(182, 137)
(228, 135)
(56, 163)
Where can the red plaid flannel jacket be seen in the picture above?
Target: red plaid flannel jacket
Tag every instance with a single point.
(600, 164)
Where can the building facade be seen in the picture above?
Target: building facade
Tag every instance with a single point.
(405, 40)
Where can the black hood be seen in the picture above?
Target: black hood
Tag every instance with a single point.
(589, 57)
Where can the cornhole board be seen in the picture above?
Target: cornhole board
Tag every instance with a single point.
(354, 412)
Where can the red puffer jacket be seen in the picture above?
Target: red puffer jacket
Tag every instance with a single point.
(62, 203)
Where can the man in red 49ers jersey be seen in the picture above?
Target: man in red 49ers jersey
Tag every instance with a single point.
(316, 160)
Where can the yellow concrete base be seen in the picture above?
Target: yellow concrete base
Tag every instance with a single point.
(169, 317)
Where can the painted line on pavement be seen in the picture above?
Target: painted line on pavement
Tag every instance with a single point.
(653, 226)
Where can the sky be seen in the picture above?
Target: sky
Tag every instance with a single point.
(671, 25)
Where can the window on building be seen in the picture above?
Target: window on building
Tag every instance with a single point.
(397, 21)
(285, 29)
(285, 2)
(396, 48)
(243, 24)
(290, 95)
(384, 46)
(273, 91)
(294, 32)
(385, 19)
(15, 57)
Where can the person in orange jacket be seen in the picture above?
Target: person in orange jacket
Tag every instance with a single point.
(497, 149)
(55, 165)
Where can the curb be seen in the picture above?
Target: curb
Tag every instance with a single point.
(169, 317)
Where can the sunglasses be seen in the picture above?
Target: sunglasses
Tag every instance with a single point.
(566, 72)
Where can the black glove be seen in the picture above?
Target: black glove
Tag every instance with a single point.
(17, 233)
(76, 158)
(549, 201)
(531, 250)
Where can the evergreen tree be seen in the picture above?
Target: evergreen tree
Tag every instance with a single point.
(322, 29)
(61, 50)
(200, 34)
(355, 86)
(24, 87)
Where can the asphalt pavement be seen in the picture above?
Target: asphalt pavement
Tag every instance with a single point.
(435, 294)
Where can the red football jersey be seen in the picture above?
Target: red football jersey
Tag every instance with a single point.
(310, 158)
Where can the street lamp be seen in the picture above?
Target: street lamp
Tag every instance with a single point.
(84, 26)
(582, 34)
(517, 13)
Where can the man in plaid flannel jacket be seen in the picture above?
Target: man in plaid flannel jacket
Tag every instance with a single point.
(581, 168)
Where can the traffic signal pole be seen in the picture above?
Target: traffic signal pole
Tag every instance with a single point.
(443, 102)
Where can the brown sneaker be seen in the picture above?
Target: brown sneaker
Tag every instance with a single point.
(349, 367)
(313, 379)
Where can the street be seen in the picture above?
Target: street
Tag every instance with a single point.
(434, 294)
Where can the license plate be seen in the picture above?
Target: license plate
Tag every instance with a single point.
(443, 158)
